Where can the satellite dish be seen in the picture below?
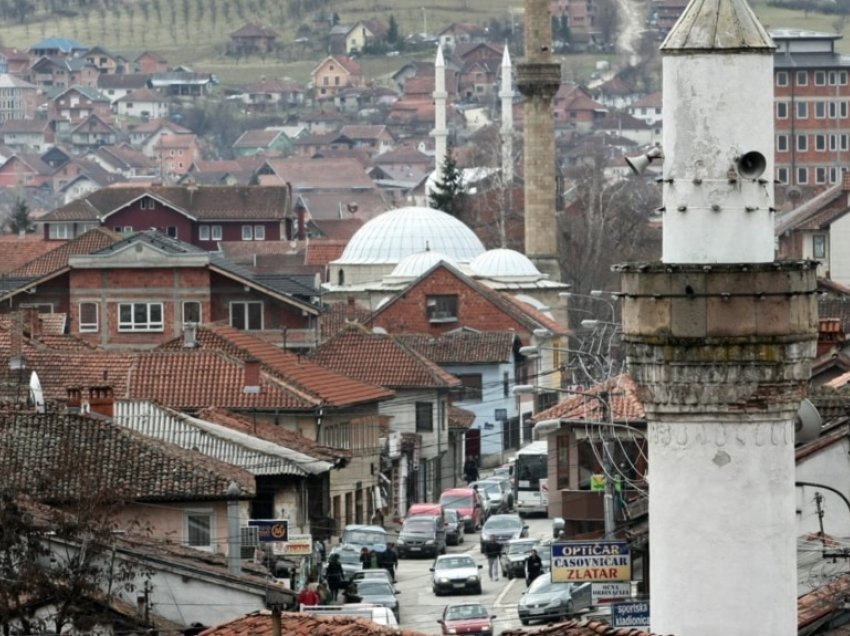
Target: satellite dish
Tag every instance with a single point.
(807, 423)
(36, 393)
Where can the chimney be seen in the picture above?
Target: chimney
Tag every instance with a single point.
(252, 376)
(33, 322)
(845, 184)
(16, 342)
(190, 335)
(102, 400)
(75, 399)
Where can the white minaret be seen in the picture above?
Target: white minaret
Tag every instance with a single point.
(440, 133)
(506, 94)
(719, 339)
(718, 136)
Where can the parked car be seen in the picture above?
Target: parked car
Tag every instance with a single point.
(496, 493)
(468, 505)
(467, 618)
(545, 600)
(503, 528)
(379, 574)
(349, 558)
(432, 509)
(507, 489)
(423, 535)
(514, 554)
(455, 573)
(379, 592)
(364, 536)
(454, 527)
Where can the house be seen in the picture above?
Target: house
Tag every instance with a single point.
(94, 131)
(647, 108)
(57, 46)
(175, 153)
(26, 170)
(573, 105)
(14, 61)
(115, 86)
(266, 141)
(334, 73)
(150, 62)
(270, 95)
(105, 61)
(143, 103)
(183, 83)
(27, 135)
(89, 177)
(121, 159)
(419, 408)
(200, 215)
(18, 99)
(49, 73)
(345, 39)
(73, 105)
(252, 39)
(317, 145)
(460, 33)
(376, 139)
(145, 135)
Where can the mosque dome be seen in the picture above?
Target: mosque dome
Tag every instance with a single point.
(393, 235)
(415, 265)
(504, 264)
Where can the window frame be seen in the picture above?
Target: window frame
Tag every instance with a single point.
(203, 232)
(802, 110)
(782, 143)
(472, 387)
(819, 246)
(149, 325)
(200, 311)
(820, 78)
(199, 513)
(88, 327)
(424, 424)
(216, 232)
(802, 176)
(246, 314)
(781, 78)
(441, 308)
(805, 78)
(802, 143)
(247, 232)
(259, 232)
(782, 110)
(782, 175)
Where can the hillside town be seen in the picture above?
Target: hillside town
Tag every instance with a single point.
(263, 345)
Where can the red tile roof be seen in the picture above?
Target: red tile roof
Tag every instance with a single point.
(16, 250)
(460, 418)
(381, 359)
(323, 251)
(621, 397)
(579, 627)
(57, 258)
(296, 624)
(36, 452)
(464, 346)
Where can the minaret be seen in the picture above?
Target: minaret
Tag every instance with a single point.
(506, 94)
(538, 79)
(440, 131)
(719, 339)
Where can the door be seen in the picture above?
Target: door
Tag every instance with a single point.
(473, 443)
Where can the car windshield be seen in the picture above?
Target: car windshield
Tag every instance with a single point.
(502, 523)
(348, 556)
(454, 562)
(364, 537)
(491, 487)
(460, 612)
(543, 585)
(419, 524)
(451, 515)
(456, 501)
(520, 547)
(368, 587)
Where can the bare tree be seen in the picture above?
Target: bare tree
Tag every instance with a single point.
(606, 20)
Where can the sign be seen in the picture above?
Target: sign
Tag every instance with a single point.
(591, 561)
(298, 545)
(501, 415)
(544, 491)
(631, 614)
(270, 530)
(597, 483)
(607, 593)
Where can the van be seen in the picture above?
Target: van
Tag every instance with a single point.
(468, 504)
(363, 536)
(421, 535)
(433, 509)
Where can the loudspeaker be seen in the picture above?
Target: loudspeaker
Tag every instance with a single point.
(641, 163)
(751, 165)
(807, 423)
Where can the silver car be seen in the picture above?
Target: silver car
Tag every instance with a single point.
(455, 573)
(545, 600)
(378, 592)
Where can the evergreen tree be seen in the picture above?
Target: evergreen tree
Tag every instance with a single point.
(20, 220)
(392, 30)
(449, 193)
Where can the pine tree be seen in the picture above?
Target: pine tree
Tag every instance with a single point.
(20, 220)
(449, 193)
(392, 30)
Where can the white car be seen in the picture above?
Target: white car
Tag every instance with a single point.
(455, 573)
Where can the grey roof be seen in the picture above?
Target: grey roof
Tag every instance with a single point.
(717, 25)
(156, 239)
(810, 60)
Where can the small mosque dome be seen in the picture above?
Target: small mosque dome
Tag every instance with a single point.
(504, 264)
(415, 265)
(393, 235)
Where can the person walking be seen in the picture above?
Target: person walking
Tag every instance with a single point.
(533, 567)
(492, 550)
(389, 561)
(335, 576)
(470, 470)
(365, 558)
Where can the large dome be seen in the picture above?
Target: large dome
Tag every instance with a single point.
(390, 237)
(504, 264)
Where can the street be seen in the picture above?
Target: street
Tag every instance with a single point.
(420, 609)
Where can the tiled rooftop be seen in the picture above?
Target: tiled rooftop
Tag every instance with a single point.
(464, 346)
(57, 258)
(296, 624)
(621, 397)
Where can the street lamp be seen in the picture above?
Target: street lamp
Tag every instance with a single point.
(595, 294)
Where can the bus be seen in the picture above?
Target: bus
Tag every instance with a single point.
(530, 470)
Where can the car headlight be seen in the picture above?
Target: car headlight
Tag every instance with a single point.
(473, 578)
(485, 536)
(429, 542)
(452, 630)
(443, 579)
(485, 628)
(399, 541)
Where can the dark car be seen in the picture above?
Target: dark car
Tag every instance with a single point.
(423, 535)
(549, 601)
(455, 573)
(467, 618)
(454, 527)
(514, 554)
(372, 590)
(503, 528)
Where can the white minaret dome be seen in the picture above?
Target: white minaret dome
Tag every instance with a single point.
(504, 264)
(413, 266)
(718, 144)
(394, 235)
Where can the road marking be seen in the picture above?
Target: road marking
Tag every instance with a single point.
(503, 593)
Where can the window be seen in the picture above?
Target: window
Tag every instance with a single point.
(441, 308)
(838, 110)
(820, 110)
(424, 417)
(782, 175)
(842, 78)
(820, 78)
(88, 318)
(820, 175)
(819, 246)
(199, 530)
(802, 143)
(782, 110)
(247, 233)
(782, 143)
(140, 317)
(60, 231)
(470, 387)
(171, 231)
(820, 143)
(802, 176)
(802, 78)
(191, 311)
(146, 204)
(216, 232)
(204, 233)
(247, 315)
(259, 232)
(506, 385)
(782, 78)
(802, 110)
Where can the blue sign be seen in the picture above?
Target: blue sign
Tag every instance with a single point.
(631, 614)
(270, 530)
(598, 561)
(501, 415)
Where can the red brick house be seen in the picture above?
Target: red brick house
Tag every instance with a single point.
(25, 170)
(253, 38)
(200, 215)
(151, 62)
(50, 72)
(574, 105)
(176, 154)
(74, 105)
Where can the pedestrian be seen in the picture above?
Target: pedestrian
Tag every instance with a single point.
(492, 550)
(389, 560)
(374, 561)
(324, 593)
(365, 558)
(308, 595)
(533, 567)
(335, 576)
(470, 470)
(351, 595)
